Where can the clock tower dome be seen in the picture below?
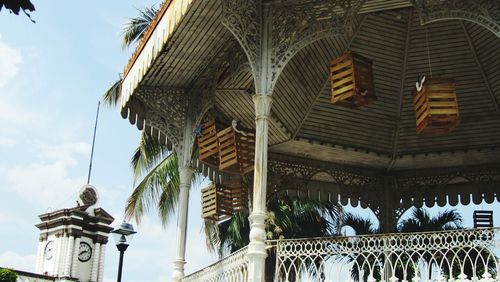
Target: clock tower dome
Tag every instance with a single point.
(73, 241)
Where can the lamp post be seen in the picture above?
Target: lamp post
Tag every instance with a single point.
(122, 235)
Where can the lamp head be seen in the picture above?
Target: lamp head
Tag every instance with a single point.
(123, 234)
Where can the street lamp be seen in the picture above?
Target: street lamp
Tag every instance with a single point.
(122, 235)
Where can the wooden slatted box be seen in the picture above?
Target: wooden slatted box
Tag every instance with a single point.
(208, 145)
(215, 205)
(236, 151)
(237, 191)
(351, 78)
(436, 107)
(221, 201)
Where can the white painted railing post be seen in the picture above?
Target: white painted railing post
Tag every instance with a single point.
(185, 175)
(256, 254)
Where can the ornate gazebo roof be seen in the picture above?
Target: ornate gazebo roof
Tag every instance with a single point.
(190, 64)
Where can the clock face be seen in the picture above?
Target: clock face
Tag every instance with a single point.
(49, 250)
(84, 252)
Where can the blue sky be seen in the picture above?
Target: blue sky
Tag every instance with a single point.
(52, 74)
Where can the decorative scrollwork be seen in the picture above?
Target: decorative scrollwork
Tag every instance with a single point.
(483, 12)
(342, 176)
(295, 26)
(155, 120)
(482, 174)
(167, 110)
(243, 19)
(271, 37)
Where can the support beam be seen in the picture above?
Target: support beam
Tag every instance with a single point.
(257, 248)
(481, 69)
(395, 141)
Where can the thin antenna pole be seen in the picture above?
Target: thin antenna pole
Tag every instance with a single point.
(93, 142)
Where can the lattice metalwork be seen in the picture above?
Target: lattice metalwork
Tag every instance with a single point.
(230, 268)
(483, 12)
(337, 174)
(296, 25)
(243, 19)
(272, 34)
(462, 255)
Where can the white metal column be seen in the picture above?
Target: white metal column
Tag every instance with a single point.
(186, 174)
(257, 248)
(185, 177)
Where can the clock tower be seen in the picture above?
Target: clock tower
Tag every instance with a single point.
(73, 241)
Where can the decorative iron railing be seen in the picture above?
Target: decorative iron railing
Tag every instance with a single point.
(462, 255)
(230, 268)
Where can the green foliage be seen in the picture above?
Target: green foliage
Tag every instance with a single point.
(361, 226)
(421, 221)
(112, 96)
(132, 32)
(157, 169)
(15, 6)
(134, 29)
(7, 275)
(287, 218)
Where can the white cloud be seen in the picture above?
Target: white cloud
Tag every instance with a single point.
(10, 59)
(12, 218)
(12, 114)
(7, 142)
(65, 153)
(46, 182)
(16, 261)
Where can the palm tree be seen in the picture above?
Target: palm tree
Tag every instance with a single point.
(421, 221)
(135, 28)
(158, 172)
(154, 167)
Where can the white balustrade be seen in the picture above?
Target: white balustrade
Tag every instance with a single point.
(458, 256)
(461, 255)
(231, 268)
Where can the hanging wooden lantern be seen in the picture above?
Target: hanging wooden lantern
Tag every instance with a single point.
(352, 81)
(237, 192)
(436, 106)
(236, 150)
(208, 145)
(221, 201)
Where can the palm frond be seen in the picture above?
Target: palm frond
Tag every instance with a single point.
(135, 28)
(147, 155)
(361, 226)
(449, 220)
(113, 95)
(159, 189)
(422, 221)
